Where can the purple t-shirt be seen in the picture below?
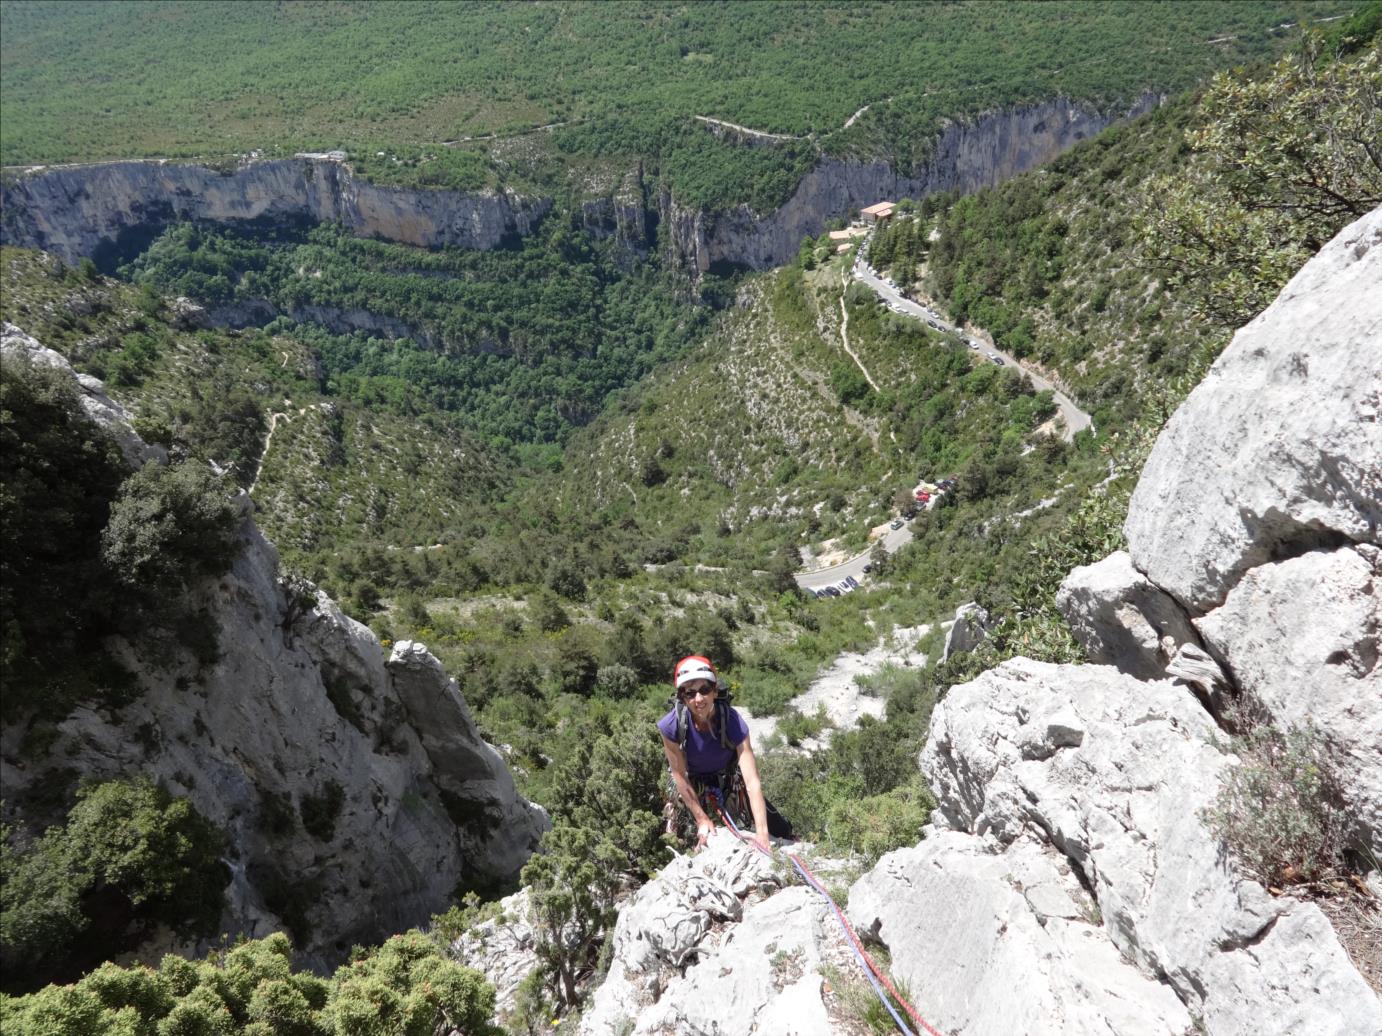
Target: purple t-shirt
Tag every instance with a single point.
(704, 753)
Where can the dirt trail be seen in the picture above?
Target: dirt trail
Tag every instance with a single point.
(844, 337)
(264, 453)
(760, 134)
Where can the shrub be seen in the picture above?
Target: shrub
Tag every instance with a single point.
(129, 855)
(1275, 811)
(169, 524)
(405, 987)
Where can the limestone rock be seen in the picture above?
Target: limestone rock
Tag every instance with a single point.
(1281, 441)
(1301, 637)
(967, 631)
(503, 949)
(103, 410)
(1113, 772)
(1121, 619)
(71, 210)
(297, 717)
(670, 926)
(187, 315)
(1004, 941)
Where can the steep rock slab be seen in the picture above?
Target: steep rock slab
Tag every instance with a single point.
(1280, 445)
(1113, 773)
(1302, 639)
(1001, 941)
(298, 716)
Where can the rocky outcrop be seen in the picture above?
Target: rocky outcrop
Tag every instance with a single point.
(81, 211)
(1273, 559)
(1109, 773)
(965, 156)
(1122, 619)
(699, 951)
(1280, 442)
(353, 787)
(966, 632)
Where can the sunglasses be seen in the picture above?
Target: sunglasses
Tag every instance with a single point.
(689, 694)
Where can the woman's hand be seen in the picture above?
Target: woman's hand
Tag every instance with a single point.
(703, 833)
(760, 839)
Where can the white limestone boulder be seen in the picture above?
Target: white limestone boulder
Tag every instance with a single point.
(1121, 619)
(1301, 637)
(1113, 772)
(1279, 450)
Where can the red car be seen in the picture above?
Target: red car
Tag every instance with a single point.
(922, 496)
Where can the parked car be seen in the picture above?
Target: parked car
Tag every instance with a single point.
(868, 566)
(851, 581)
(896, 524)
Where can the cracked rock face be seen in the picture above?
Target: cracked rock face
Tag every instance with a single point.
(698, 951)
(1279, 450)
(300, 706)
(1111, 773)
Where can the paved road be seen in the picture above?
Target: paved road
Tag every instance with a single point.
(1076, 420)
(892, 540)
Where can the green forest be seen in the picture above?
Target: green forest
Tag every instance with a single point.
(452, 93)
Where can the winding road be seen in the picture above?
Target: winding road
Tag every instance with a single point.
(1074, 419)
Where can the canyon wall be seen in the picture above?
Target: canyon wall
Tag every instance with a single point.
(91, 211)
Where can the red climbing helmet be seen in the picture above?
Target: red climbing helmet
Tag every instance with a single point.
(694, 667)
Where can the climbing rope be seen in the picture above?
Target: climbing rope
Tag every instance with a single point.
(871, 970)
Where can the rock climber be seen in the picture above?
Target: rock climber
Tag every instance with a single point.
(708, 749)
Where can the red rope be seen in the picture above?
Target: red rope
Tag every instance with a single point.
(844, 921)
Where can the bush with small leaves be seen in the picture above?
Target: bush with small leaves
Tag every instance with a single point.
(1276, 811)
(169, 524)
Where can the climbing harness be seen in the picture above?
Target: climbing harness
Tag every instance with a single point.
(871, 970)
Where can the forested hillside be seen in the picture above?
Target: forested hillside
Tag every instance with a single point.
(426, 84)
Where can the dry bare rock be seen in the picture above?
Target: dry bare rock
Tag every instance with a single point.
(1301, 637)
(1003, 941)
(1113, 772)
(1121, 619)
(1281, 444)
(967, 631)
(698, 951)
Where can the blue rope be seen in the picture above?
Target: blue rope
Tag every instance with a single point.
(868, 972)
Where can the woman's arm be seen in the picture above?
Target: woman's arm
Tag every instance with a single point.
(748, 766)
(676, 760)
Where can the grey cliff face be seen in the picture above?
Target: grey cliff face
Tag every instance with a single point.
(302, 703)
(965, 157)
(76, 211)
(84, 211)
